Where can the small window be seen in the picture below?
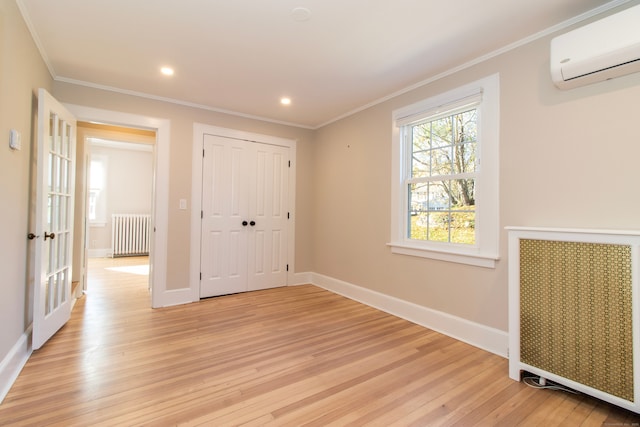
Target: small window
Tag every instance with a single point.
(445, 204)
(97, 195)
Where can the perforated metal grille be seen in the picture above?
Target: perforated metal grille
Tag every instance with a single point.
(575, 312)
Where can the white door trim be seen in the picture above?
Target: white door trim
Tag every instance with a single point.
(199, 130)
(160, 296)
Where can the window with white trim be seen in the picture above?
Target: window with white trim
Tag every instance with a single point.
(445, 172)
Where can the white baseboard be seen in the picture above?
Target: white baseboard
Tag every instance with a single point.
(99, 253)
(172, 297)
(13, 363)
(478, 335)
(301, 279)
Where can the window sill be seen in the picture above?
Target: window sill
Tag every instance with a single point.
(475, 259)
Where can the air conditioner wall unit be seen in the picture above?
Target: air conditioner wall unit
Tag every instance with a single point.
(598, 51)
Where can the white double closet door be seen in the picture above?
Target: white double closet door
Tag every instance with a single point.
(244, 216)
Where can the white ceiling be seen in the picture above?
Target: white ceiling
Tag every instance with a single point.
(242, 56)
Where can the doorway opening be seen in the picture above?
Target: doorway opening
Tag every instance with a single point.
(160, 296)
(116, 194)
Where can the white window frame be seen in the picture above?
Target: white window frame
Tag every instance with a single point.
(485, 252)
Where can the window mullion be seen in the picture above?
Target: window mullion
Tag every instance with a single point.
(437, 178)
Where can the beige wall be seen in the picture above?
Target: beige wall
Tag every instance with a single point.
(22, 72)
(567, 159)
(128, 190)
(181, 121)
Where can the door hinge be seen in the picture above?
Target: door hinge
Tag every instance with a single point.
(289, 163)
(201, 214)
(287, 267)
(203, 153)
(200, 276)
(288, 215)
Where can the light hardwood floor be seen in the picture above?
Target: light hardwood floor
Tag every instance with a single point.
(289, 356)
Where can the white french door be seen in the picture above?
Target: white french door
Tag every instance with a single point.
(244, 216)
(53, 237)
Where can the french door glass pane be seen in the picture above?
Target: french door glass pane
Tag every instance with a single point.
(64, 246)
(63, 200)
(49, 223)
(53, 255)
(66, 140)
(55, 173)
(48, 295)
(64, 277)
(50, 173)
(64, 175)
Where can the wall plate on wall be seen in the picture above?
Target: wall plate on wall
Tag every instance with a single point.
(15, 140)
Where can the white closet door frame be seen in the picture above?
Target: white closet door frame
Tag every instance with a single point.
(199, 130)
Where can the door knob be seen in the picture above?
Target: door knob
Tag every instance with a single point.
(31, 236)
(252, 223)
(50, 236)
(244, 223)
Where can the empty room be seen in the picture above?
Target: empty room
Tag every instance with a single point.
(261, 212)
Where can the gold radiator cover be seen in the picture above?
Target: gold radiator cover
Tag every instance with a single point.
(576, 312)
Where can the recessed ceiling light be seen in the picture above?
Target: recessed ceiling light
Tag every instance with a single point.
(167, 71)
(285, 101)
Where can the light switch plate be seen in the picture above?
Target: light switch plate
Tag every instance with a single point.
(15, 140)
(183, 204)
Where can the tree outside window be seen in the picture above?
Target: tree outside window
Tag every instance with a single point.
(442, 185)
